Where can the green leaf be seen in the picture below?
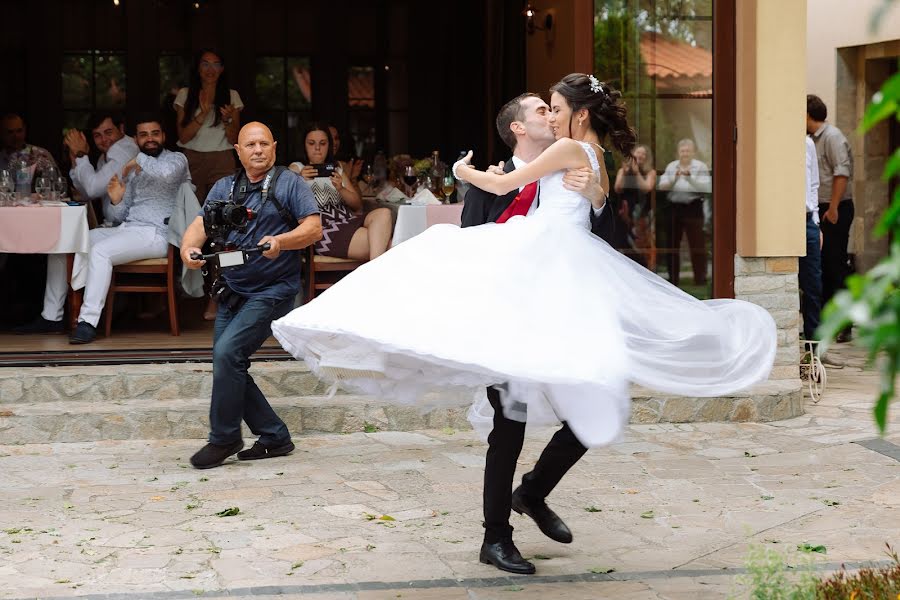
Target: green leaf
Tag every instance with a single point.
(592, 509)
(880, 411)
(807, 547)
(767, 497)
(883, 105)
(830, 502)
(647, 514)
(541, 557)
(893, 166)
(387, 518)
(601, 570)
(228, 512)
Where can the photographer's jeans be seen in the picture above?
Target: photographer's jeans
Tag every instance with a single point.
(235, 396)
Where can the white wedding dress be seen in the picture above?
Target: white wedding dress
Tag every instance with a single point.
(539, 303)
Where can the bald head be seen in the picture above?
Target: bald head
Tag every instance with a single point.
(256, 150)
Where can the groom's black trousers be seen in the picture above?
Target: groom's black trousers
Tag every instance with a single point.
(504, 446)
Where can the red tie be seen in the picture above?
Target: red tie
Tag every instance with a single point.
(521, 204)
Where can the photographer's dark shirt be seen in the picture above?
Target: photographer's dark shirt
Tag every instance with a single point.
(261, 277)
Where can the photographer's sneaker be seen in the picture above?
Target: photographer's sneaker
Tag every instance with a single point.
(39, 325)
(84, 333)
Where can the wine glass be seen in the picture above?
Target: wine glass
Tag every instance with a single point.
(62, 186)
(410, 178)
(448, 184)
(42, 187)
(369, 177)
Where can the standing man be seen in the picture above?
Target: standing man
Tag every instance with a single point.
(116, 150)
(688, 182)
(152, 179)
(12, 137)
(253, 294)
(835, 198)
(810, 271)
(523, 125)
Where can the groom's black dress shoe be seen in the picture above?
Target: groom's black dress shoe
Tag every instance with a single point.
(547, 520)
(505, 556)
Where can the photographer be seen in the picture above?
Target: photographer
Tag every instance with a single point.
(349, 234)
(253, 294)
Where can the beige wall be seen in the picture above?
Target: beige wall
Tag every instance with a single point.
(833, 24)
(771, 101)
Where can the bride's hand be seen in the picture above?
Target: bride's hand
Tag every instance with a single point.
(462, 165)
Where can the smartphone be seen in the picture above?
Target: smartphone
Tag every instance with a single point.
(325, 170)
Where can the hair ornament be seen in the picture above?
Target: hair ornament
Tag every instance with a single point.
(595, 84)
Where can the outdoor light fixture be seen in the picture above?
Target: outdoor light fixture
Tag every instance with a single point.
(530, 13)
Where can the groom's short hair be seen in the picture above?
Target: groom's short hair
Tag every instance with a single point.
(511, 111)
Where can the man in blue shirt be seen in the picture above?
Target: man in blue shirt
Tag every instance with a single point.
(264, 289)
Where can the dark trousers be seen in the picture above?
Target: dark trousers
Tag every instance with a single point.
(235, 396)
(835, 262)
(504, 447)
(687, 219)
(810, 277)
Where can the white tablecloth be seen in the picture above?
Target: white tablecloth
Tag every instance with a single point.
(73, 236)
(413, 220)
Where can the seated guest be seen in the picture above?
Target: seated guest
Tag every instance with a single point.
(151, 182)
(12, 136)
(344, 157)
(116, 149)
(345, 234)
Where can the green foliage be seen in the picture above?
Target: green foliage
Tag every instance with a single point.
(872, 300)
(768, 576)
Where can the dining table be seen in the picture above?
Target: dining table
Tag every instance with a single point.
(49, 227)
(414, 219)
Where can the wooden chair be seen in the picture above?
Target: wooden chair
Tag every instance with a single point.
(164, 267)
(325, 264)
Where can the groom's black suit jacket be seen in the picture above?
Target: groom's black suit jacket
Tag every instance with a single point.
(483, 207)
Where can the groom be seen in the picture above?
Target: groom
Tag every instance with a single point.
(523, 126)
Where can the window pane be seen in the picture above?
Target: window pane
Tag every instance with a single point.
(75, 120)
(173, 75)
(659, 53)
(109, 73)
(299, 88)
(361, 87)
(270, 82)
(78, 81)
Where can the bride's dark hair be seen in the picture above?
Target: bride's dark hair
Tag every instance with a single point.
(607, 114)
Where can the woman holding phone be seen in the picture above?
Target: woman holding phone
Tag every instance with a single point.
(346, 233)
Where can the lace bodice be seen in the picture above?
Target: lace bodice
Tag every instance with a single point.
(559, 203)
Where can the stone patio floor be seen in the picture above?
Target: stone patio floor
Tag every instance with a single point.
(667, 513)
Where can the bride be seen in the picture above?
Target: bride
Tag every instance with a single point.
(538, 303)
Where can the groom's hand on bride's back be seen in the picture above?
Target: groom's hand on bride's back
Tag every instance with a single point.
(586, 182)
(497, 169)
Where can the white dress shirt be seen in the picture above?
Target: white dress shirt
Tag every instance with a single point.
(812, 180)
(92, 182)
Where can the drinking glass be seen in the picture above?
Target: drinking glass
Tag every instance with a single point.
(42, 187)
(62, 186)
(448, 184)
(410, 179)
(369, 177)
(7, 186)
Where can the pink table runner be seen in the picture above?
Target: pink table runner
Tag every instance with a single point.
(29, 229)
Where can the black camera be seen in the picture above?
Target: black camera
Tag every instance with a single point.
(221, 217)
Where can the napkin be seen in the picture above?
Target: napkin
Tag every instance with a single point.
(424, 197)
(391, 194)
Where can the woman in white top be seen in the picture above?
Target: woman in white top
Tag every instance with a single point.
(345, 232)
(209, 118)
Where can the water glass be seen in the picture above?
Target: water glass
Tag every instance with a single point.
(61, 185)
(7, 186)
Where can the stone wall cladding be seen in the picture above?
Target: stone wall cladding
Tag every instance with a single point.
(772, 284)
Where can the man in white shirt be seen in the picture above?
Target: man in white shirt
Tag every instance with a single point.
(688, 182)
(810, 273)
(116, 148)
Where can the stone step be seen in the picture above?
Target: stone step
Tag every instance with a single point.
(80, 404)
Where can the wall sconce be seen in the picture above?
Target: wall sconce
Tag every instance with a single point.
(530, 14)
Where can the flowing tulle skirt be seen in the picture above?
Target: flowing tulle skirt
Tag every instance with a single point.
(538, 304)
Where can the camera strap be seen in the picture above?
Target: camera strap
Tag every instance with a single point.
(241, 185)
